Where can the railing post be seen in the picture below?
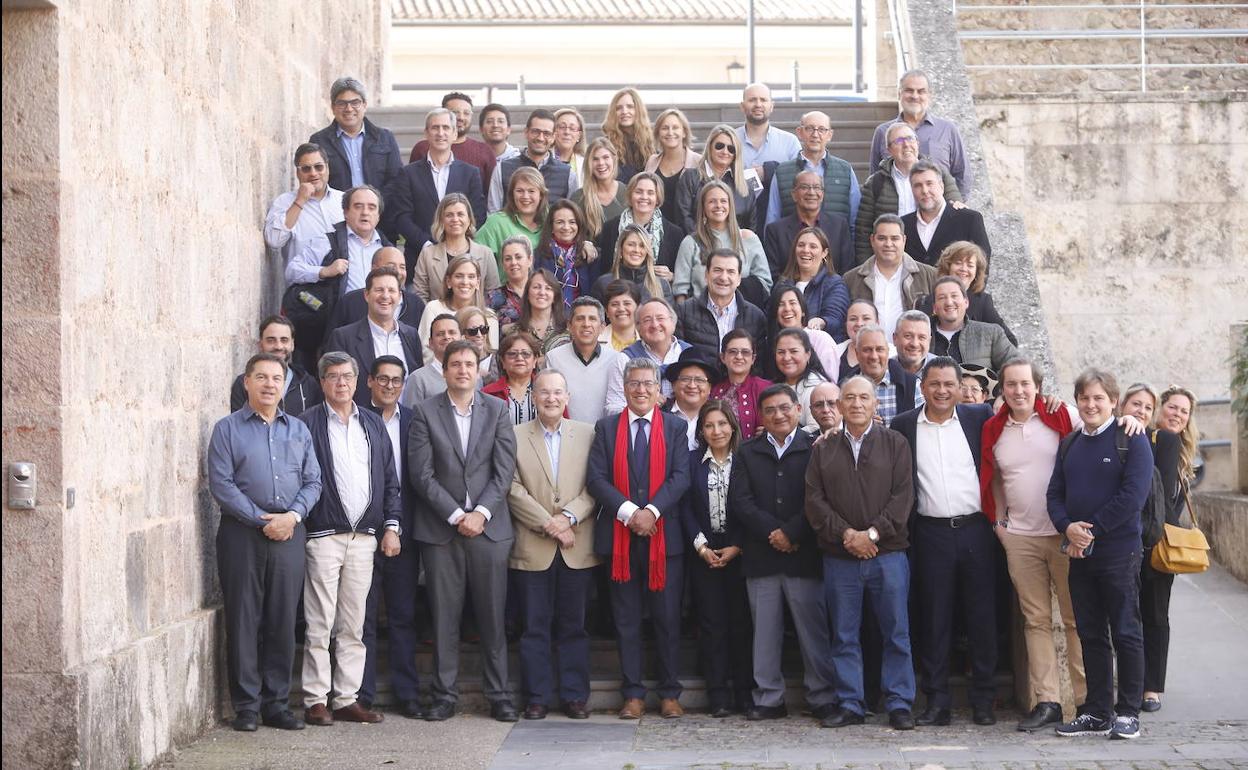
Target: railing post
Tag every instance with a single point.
(1143, 52)
(520, 89)
(859, 87)
(797, 83)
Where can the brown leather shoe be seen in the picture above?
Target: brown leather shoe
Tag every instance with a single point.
(318, 715)
(633, 708)
(670, 708)
(357, 713)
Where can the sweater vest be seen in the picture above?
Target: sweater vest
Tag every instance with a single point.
(836, 182)
(556, 173)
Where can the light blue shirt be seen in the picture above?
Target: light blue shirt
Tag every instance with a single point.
(773, 197)
(353, 148)
(359, 258)
(255, 467)
(777, 145)
(553, 440)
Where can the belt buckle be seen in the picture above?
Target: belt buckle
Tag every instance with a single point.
(957, 522)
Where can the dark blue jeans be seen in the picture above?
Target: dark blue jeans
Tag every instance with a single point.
(552, 604)
(1105, 592)
(395, 577)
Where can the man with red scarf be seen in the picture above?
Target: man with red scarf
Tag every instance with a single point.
(638, 473)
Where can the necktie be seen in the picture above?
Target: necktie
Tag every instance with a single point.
(641, 446)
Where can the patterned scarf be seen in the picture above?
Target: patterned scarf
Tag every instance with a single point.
(654, 228)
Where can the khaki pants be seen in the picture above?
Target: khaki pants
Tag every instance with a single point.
(335, 595)
(1034, 563)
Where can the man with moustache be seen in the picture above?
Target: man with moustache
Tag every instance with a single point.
(891, 278)
(934, 224)
(808, 211)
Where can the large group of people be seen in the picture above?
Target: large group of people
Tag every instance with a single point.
(581, 373)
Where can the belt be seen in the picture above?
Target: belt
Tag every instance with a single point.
(955, 522)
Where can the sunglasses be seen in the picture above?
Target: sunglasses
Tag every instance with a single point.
(721, 146)
(317, 167)
(476, 331)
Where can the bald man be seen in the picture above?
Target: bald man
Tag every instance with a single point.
(761, 141)
(840, 185)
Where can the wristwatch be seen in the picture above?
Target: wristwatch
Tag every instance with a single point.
(873, 534)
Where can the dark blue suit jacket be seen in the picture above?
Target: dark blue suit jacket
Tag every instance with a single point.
(970, 416)
(379, 157)
(356, 340)
(407, 494)
(351, 307)
(601, 485)
(697, 508)
(412, 199)
(327, 516)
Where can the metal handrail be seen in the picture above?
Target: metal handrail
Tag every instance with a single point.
(903, 43)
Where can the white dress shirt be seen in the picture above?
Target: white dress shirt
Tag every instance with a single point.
(386, 343)
(905, 193)
(463, 423)
(888, 298)
(855, 444)
(628, 507)
(316, 218)
(441, 175)
(348, 445)
(359, 258)
(928, 229)
(948, 483)
(781, 448)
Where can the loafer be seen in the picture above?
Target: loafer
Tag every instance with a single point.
(760, 713)
(1044, 714)
(503, 711)
(902, 719)
(983, 715)
(413, 710)
(670, 708)
(633, 708)
(932, 716)
(825, 711)
(245, 721)
(440, 711)
(318, 715)
(720, 711)
(357, 713)
(842, 718)
(535, 711)
(576, 709)
(1150, 705)
(282, 720)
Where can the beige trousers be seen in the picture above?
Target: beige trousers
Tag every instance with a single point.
(335, 595)
(1034, 563)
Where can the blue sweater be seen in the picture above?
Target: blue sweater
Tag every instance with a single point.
(1092, 484)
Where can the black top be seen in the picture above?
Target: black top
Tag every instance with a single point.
(671, 212)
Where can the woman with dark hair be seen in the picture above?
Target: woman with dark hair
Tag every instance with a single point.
(724, 634)
(717, 229)
(859, 313)
(799, 368)
(521, 214)
(645, 197)
(601, 195)
(741, 388)
(627, 125)
(826, 295)
(634, 261)
(721, 163)
(453, 229)
(516, 254)
(620, 299)
(673, 144)
(565, 252)
(966, 260)
(518, 354)
(786, 309)
(541, 313)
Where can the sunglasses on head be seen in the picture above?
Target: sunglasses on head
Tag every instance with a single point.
(724, 146)
(476, 331)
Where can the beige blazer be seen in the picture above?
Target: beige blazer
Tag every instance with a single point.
(430, 268)
(535, 496)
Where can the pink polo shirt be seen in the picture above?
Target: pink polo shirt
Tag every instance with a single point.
(1025, 455)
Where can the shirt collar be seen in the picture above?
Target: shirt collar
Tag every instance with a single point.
(587, 361)
(376, 330)
(634, 417)
(788, 440)
(436, 168)
(380, 412)
(355, 413)
(919, 221)
(865, 433)
(344, 135)
(548, 433)
(1009, 418)
(923, 417)
(719, 312)
(1104, 427)
(709, 455)
(352, 234)
(248, 413)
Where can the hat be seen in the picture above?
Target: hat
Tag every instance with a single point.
(986, 377)
(693, 356)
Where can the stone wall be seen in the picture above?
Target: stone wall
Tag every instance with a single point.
(143, 142)
(1134, 208)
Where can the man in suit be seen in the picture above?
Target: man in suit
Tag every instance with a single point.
(953, 547)
(766, 499)
(963, 340)
(474, 152)
(264, 499)
(705, 319)
(300, 390)
(396, 564)
(352, 306)
(895, 388)
(379, 334)
(934, 224)
(891, 278)
(638, 473)
(414, 193)
(360, 497)
(461, 457)
(553, 515)
(778, 236)
(359, 151)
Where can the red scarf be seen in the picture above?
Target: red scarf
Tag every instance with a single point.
(658, 471)
(1058, 421)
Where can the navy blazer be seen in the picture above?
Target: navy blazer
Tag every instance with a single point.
(356, 340)
(412, 198)
(955, 225)
(697, 508)
(379, 157)
(970, 416)
(351, 307)
(327, 516)
(769, 493)
(407, 493)
(601, 484)
(780, 235)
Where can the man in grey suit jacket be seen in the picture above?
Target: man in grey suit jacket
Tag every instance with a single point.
(461, 456)
(964, 340)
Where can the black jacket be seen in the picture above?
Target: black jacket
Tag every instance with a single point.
(778, 238)
(767, 494)
(356, 340)
(379, 157)
(955, 225)
(351, 307)
(327, 516)
(698, 507)
(303, 394)
(407, 493)
(673, 234)
(696, 325)
(412, 198)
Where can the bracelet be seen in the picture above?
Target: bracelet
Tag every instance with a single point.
(297, 203)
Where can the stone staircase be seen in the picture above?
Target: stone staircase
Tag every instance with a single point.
(853, 122)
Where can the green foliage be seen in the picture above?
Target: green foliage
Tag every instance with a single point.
(1239, 380)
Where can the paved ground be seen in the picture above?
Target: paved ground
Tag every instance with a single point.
(1204, 724)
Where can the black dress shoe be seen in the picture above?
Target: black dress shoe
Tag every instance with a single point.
(842, 718)
(825, 711)
(983, 716)
(1150, 705)
(1043, 715)
(759, 713)
(720, 711)
(902, 719)
(413, 710)
(283, 720)
(931, 716)
(503, 711)
(576, 709)
(440, 711)
(532, 711)
(245, 721)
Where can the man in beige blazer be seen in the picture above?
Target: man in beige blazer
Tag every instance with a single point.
(553, 514)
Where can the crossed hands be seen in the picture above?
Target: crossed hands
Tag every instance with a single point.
(781, 542)
(560, 528)
(718, 558)
(642, 523)
(1079, 533)
(858, 543)
(280, 526)
(472, 524)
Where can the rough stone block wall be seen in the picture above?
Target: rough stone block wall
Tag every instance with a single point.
(143, 142)
(1134, 210)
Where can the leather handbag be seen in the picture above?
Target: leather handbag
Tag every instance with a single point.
(1181, 550)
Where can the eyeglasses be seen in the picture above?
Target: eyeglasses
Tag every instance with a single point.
(971, 390)
(541, 133)
(340, 377)
(904, 140)
(778, 409)
(518, 355)
(568, 127)
(721, 146)
(816, 130)
(640, 384)
(355, 104)
(689, 379)
(739, 353)
(388, 382)
(317, 167)
(826, 403)
(477, 331)
(808, 187)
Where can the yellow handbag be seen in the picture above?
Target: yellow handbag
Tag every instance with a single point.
(1181, 551)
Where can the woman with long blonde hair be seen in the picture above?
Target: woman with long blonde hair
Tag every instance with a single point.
(601, 195)
(717, 229)
(721, 161)
(627, 125)
(634, 261)
(673, 145)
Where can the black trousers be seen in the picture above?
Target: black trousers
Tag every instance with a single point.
(628, 600)
(948, 563)
(554, 647)
(1155, 615)
(395, 578)
(1105, 592)
(261, 583)
(725, 632)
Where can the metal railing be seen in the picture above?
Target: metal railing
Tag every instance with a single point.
(903, 39)
(1143, 33)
